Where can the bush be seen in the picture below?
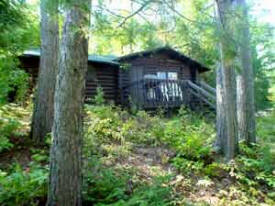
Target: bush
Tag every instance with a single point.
(23, 187)
(7, 129)
(158, 193)
(99, 97)
(256, 164)
(190, 136)
(120, 187)
(103, 185)
(106, 186)
(12, 123)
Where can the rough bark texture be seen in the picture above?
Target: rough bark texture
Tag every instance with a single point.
(220, 116)
(241, 111)
(65, 158)
(42, 120)
(228, 81)
(245, 80)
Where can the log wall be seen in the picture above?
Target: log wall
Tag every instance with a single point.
(98, 74)
(140, 66)
(113, 80)
(104, 76)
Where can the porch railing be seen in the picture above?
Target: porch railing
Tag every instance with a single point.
(153, 93)
(203, 92)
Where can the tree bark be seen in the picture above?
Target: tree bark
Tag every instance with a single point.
(220, 116)
(228, 81)
(42, 120)
(245, 80)
(65, 158)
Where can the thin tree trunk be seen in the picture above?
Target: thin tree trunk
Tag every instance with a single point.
(42, 120)
(228, 74)
(245, 80)
(241, 111)
(220, 116)
(65, 158)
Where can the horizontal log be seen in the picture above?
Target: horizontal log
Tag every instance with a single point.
(103, 82)
(203, 99)
(207, 87)
(103, 86)
(201, 91)
(105, 92)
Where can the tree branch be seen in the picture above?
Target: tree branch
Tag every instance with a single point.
(134, 13)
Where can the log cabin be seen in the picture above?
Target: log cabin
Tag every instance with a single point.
(161, 77)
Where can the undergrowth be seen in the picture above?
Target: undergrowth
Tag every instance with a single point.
(192, 173)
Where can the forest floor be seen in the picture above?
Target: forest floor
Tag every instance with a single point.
(150, 162)
(141, 160)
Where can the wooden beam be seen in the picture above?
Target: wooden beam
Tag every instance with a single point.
(202, 91)
(207, 87)
(203, 99)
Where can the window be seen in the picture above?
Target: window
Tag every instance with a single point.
(173, 75)
(163, 90)
(161, 75)
(167, 75)
(150, 76)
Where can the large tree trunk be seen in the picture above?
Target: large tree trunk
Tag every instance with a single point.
(65, 157)
(228, 81)
(245, 80)
(42, 120)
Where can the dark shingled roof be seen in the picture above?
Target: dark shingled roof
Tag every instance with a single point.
(170, 52)
(91, 58)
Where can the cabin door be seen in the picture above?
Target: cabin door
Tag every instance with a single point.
(193, 75)
(136, 95)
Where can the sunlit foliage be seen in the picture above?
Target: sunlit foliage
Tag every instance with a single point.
(18, 31)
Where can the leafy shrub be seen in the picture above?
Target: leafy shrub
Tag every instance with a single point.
(214, 170)
(23, 187)
(7, 128)
(107, 124)
(256, 164)
(116, 187)
(12, 123)
(104, 185)
(186, 166)
(99, 97)
(191, 138)
(156, 194)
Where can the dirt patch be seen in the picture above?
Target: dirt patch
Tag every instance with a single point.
(21, 156)
(148, 161)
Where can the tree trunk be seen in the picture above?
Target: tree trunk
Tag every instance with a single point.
(42, 120)
(241, 111)
(65, 158)
(245, 80)
(220, 116)
(228, 81)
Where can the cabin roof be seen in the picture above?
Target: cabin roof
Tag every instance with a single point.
(109, 59)
(113, 60)
(172, 53)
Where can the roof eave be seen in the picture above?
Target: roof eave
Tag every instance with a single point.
(181, 56)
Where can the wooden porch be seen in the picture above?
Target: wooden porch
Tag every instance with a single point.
(167, 93)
